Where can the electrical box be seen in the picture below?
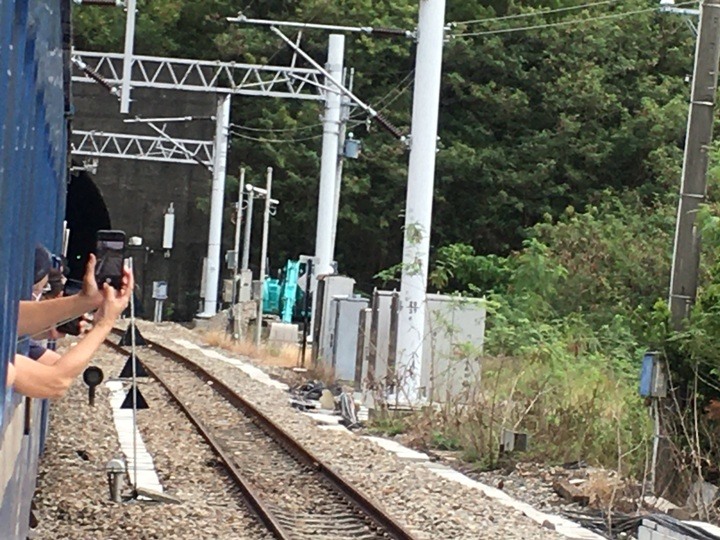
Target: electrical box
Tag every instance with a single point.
(231, 258)
(345, 335)
(329, 286)
(244, 285)
(227, 291)
(352, 147)
(256, 290)
(653, 382)
(452, 352)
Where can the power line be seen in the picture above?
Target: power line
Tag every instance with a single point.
(408, 84)
(396, 88)
(563, 23)
(386, 101)
(534, 13)
(276, 130)
(282, 141)
(275, 141)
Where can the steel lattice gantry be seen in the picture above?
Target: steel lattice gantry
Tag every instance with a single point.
(119, 73)
(142, 147)
(203, 76)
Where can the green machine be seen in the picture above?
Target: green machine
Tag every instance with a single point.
(284, 297)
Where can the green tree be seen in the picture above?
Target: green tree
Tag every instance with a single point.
(531, 122)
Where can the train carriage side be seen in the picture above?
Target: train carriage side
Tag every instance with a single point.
(34, 100)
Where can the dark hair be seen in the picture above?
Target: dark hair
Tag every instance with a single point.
(55, 280)
(43, 264)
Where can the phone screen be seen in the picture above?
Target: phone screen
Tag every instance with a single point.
(109, 267)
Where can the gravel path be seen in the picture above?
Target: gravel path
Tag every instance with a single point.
(432, 507)
(72, 495)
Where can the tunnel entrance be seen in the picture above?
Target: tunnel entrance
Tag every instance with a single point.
(85, 213)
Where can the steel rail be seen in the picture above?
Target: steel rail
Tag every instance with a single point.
(254, 500)
(362, 503)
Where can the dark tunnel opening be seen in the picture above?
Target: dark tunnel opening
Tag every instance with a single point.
(85, 213)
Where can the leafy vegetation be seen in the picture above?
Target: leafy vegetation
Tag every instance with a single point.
(568, 318)
(531, 122)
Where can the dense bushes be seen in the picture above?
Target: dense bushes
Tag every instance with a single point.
(569, 317)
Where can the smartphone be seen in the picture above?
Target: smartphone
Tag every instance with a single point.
(110, 253)
(70, 327)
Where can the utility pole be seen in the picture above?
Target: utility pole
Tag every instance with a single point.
(238, 226)
(418, 206)
(329, 158)
(128, 57)
(693, 189)
(344, 117)
(325, 231)
(212, 278)
(263, 253)
(248, 229)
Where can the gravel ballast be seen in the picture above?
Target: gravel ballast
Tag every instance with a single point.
(72, 499)
(432, 507)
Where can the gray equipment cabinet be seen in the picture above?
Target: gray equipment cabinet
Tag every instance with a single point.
(329, 286)
(383, 336)
(454, 337)
(345, 335)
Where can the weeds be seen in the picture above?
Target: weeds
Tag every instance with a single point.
(286, 355)
(552, 380)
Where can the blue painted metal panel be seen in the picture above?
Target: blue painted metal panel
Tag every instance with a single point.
(33, 171)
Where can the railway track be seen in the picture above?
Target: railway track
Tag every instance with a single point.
(294, 494)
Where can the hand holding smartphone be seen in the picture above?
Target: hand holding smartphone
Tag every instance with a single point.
(110, 253)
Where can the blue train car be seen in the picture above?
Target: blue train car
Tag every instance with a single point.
(34, 107)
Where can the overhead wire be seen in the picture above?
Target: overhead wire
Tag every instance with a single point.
(399, 88)
(408, 83)
(384, 102)
(276, 130)
(534, 13)
(275, 141)
(286, 141)
(564, 23)
(317, 11)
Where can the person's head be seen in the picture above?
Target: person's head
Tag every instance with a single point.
(43, 265)
(56, 284)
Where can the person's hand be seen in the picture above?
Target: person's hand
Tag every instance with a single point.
(85, 324)
(114, 301)
(90, 291)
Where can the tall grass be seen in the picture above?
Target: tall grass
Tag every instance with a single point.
(277, 355)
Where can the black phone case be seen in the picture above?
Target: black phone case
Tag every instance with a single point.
(114, 280)
(71, 327)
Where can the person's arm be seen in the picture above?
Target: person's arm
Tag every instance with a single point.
(10, 379)
(49, 358)
(37, 317)
(34, 379)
